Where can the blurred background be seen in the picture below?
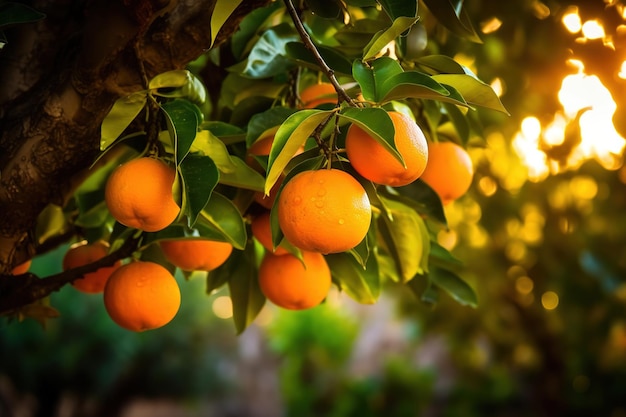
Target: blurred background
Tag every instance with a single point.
(542, 234)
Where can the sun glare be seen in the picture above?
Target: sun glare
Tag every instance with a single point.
(584, 96)
(593, 29)
(571, 20)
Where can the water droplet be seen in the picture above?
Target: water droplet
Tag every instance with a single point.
(341, 221)
(297, 200)
(319, 204)
(321, 192)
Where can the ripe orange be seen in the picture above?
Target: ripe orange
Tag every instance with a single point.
(449, 170)
(288, 283)
(141, 296)
(196, 254)
(139, 194)
(325, 211)
(82, 253)
(316, 94)
(370, 159)
(22, 268)
(261, 230)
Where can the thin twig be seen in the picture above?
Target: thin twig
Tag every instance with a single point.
(308, 43)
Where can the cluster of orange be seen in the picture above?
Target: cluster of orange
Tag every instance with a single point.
(319, 212)
(141, 295)
(328, 211)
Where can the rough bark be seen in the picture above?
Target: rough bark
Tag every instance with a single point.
(60, 77)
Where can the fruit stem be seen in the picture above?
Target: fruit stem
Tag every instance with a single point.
(308, 43)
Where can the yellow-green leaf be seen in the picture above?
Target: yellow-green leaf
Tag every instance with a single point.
(123, 112)
(222, 11)
(406, 238)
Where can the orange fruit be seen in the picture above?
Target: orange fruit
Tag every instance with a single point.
(316, 94)
(262, 231)
(288, 283)
(82, 253)
(139, 194)
(196, 254)
(325, 211)
(370, 159)
(449, 170)
(141, 296)
(22, 268)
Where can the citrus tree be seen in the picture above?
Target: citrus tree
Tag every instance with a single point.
(281, 146)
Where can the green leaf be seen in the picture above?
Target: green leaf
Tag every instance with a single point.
(264, 121)
(411, 84)
(473, 90)
(200, 176)
(169, 79)
(245, 293)
(442, 257)
(454, 285)
(220, 129)
(268, 56)
(249, 27)
(383, 38)
(361, 252)
(440, 64)
(459, 121)
(216, 279)
(123, 112)
(372, 77)
(406, 238)
(364, 75)
(452, 15)
(328, 9)
(290, 136)
(303, 56)
(423, 199)
(93, 211)
(12, 13)
(377, 123)
(52, 222)
(179, 84)
(233, 170)
(359, 33)
(183, 123)
(223, 217)
(361, 284)
(398, 8)
(424, 290)
(222, 11)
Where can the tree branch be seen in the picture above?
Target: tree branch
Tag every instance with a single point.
(19, 290)
(50, 125)
(308, 43)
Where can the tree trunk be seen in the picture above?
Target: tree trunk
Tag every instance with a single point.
(61, 76)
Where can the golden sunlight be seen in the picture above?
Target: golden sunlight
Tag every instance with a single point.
(571, 20)
(584, 100)
(592, 29)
